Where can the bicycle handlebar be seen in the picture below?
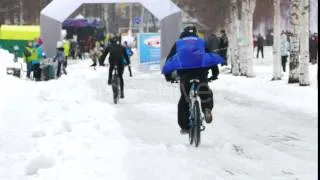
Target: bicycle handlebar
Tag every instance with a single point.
(195, 80)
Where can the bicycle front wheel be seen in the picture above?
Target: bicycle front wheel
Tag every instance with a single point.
(197, 124)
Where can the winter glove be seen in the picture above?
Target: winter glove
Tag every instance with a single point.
(168, 77)
(172, 77)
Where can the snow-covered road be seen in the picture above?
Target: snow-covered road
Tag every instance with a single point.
(69, 129)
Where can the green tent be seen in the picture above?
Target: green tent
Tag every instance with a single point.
(11, 36)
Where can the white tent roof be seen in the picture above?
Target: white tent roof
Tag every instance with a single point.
(62, 9)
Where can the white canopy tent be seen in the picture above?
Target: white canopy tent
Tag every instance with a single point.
(57, 11)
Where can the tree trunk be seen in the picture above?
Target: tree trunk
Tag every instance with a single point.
(247, 46)
(154, 23)
(130, 19)
(304, 56)
(21, 12)
(2, 18)
(142, 20)
(251, 7)
(235, 64)
(276, 41)
(244, 39)
(106, 17)
(148, 24)
(294, 55)
(113, 26)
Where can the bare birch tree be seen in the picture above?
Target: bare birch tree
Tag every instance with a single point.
(304, 51)
(235, 63)
(294, 54)
(276, 41)
(251, 7)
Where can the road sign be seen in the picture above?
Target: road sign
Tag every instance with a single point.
(137, 20)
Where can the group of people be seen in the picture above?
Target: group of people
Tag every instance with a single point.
(33, 54)
(285, 48)
(219, 45)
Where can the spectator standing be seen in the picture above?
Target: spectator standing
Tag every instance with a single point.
(223, 47)
(313, 48)
(260, 45)
(284, 50)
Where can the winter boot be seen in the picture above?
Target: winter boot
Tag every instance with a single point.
(207, 116)
(184, 131)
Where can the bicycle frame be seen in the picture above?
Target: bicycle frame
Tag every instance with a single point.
(193, 97)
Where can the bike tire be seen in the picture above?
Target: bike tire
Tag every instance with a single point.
(115, 95)
(192, 125)
(197, 126)
(115, 90)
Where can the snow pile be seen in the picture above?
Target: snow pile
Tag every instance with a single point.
(40, 162)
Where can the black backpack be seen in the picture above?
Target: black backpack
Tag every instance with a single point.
(116, 52)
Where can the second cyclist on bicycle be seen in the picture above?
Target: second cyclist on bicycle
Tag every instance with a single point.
(117, 53)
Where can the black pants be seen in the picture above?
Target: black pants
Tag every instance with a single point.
(130, 71)
(223, 54)
(260, 48)
(313, 57)
(206, 97)
(61, 67)
(284, 62)
(36, 72)
(120, 73)
(101, 61)
(66, 62)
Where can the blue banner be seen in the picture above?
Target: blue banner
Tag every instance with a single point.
(149, 48)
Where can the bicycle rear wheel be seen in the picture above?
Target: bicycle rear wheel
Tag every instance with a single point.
(197, 124)
(115, 89)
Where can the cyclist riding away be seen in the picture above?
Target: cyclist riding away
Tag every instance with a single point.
(117, 53)
(190, 58)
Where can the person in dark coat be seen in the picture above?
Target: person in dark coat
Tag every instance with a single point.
(213, 42)
(185, 75)
(313, 49)
(223, 46)
(260, 45)
(117, 53)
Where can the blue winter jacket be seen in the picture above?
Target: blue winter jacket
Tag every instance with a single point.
(191, 54)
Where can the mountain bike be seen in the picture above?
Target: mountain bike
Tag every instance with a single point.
(196, 116)
(115, 84)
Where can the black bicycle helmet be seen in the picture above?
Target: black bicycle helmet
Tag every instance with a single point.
(115, 40)
(190, 29)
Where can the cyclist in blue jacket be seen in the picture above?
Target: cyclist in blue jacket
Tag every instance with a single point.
(190, 58)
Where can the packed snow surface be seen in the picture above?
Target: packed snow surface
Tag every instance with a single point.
(69, 129)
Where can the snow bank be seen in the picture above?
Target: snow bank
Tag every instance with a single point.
(40, 162)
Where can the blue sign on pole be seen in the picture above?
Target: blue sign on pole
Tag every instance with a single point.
(149, 46)
(137, 20)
